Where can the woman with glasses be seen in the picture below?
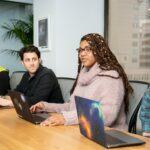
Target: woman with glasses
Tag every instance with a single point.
(100, 77)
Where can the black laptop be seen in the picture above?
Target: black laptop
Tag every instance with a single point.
(92, 125)
(23, 110)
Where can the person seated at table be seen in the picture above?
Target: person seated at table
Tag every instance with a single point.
(4, 84)
(4, 81)
(100, 77)
(38, 82)
(145, 113)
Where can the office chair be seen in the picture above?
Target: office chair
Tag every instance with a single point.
(134, 123)
(15, 78)
(65, 85)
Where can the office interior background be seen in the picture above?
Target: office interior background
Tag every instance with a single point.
(124, 23)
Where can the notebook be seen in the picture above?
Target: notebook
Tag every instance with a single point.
(91, 125)
(23, 110)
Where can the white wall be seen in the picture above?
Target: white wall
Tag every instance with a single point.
(10, 11)
(22, 1)
(69, 21)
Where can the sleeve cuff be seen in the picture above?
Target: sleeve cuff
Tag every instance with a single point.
(70, 117)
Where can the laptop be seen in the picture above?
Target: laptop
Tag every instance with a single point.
(91, 125)
(23, 110)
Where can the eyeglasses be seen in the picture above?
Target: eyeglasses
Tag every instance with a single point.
(87, 50)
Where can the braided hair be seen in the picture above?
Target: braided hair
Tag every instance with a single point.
(107, 61)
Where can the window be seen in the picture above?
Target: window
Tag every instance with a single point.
(128, 33)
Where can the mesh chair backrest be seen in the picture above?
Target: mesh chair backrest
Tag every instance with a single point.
(66, 85)
(139, 88)
(15, 78)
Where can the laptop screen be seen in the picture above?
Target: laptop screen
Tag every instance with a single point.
(90, 119)
(92, 125)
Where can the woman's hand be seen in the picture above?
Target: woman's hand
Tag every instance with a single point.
(54, 120)
(37, 107)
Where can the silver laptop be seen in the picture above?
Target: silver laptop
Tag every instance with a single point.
(92, 125)
(23, 110)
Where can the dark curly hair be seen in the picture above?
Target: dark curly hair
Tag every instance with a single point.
(29, 49)
(107, 61)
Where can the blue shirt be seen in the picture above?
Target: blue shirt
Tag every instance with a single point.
(145, 111)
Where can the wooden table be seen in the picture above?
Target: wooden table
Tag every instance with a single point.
(18, 134)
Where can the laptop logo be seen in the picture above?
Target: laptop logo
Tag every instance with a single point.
(23, 98)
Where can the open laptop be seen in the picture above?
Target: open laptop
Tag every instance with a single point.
(22, 108)
(92, 125)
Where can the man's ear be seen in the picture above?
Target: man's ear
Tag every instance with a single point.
(22, 62)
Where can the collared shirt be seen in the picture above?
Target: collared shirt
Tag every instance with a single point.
(43, 86)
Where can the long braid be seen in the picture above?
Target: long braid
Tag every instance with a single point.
(107, 61)
(75, 83)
